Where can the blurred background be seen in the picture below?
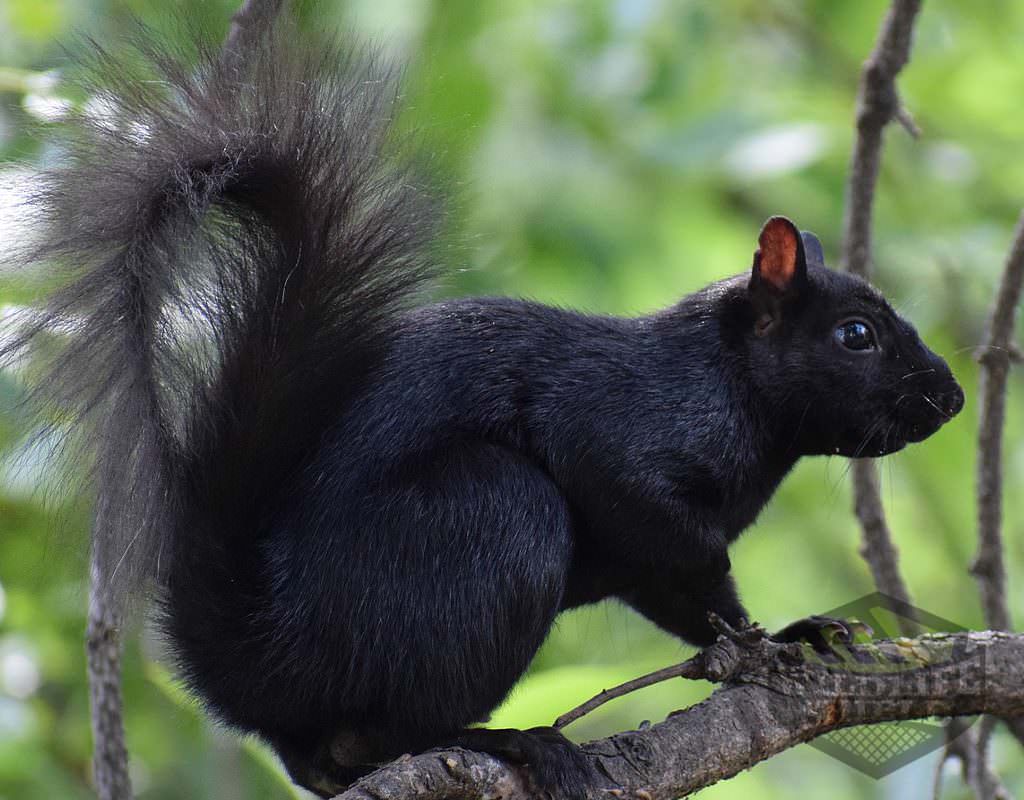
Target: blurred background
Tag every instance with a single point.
(609, 155)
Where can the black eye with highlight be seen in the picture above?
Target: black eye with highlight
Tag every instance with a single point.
(855, 335)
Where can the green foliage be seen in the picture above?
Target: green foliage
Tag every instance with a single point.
(609, 155)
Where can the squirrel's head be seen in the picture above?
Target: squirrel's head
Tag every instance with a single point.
(834, 357)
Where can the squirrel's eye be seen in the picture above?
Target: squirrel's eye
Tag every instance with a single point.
(855, 335)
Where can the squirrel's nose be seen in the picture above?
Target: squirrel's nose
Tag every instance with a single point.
(952, 402)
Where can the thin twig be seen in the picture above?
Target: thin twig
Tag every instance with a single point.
(709, 664)
(877, 547)
(692, 669)
(995, 357)
(877, 105)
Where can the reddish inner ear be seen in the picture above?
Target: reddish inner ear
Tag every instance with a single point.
(778, 253)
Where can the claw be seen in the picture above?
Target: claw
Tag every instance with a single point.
(822, 633)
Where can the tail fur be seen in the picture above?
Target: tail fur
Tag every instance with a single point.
(239, 236)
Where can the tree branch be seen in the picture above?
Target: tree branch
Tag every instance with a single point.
(877, 104)
(962, 744)
(246, 24)
(693, 669)
(103, 660)
(775, 696)
(877, 547)
(995, 357)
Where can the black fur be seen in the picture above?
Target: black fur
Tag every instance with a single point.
(363, 517)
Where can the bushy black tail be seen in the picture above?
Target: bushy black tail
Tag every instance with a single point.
(240, 235)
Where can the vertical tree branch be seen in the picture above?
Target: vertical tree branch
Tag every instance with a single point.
(246, 24)
(877, 546)
(877, 104)
(995, 357)
(962, 744)
(103, 659)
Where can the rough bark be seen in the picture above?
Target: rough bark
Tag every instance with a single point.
(103, 658)
(774, 697)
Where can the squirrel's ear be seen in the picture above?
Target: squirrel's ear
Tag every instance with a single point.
(779, 273)
(780, 261)
(813, 251)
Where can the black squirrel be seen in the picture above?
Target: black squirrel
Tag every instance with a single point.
(362, 514)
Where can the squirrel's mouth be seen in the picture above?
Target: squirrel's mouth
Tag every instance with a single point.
(912, 418)
(924, 413)
(878, 443)
(881, 446)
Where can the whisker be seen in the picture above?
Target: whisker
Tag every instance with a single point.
(909, 303)
(867, 438)
(834, 488)
(892, 483)
(919, 372)
(841, 476)
(980, 346)
(859, 449)
(929, 401)
(800, 425)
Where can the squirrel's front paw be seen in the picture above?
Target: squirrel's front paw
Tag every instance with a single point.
(821, 633)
